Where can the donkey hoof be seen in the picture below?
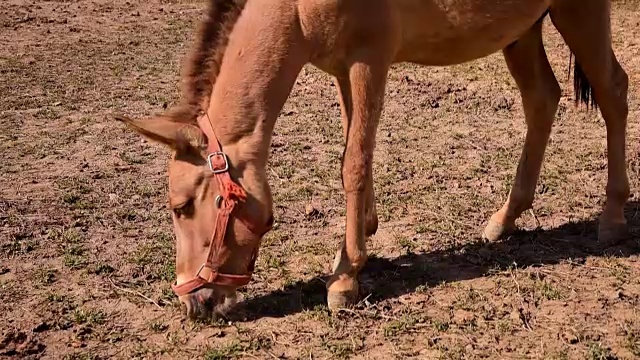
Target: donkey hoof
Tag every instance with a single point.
(337, 300)
(495, 231)
(612, 233)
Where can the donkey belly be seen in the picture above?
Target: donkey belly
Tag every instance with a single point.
(446, 32)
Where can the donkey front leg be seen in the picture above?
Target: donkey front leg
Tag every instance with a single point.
(540, 92)
(362, 98)
(370, 213)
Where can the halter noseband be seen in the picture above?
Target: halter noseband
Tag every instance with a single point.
(231, 193)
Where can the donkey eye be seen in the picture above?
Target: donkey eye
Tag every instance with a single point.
(186, 209)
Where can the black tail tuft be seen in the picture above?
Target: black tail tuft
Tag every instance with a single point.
(582, 89)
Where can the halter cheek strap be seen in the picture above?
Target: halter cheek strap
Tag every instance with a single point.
(232, 194)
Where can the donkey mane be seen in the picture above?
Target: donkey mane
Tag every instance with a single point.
(202, 64)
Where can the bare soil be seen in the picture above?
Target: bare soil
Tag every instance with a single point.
(86, 243)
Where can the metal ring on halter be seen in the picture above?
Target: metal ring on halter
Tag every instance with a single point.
(213, 276)
(200, 269)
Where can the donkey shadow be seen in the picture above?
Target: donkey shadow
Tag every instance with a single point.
(383, 279)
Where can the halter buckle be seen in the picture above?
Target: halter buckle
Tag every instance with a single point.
(224, 157)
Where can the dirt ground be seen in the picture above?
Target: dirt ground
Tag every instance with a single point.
(86, 243)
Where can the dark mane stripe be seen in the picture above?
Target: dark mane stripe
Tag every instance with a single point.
(202, 65)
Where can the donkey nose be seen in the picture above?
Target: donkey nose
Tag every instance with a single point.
(199, 304)
(188, 305)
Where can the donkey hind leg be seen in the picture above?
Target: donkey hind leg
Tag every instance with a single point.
(540, 93)
(362, 96)
(585, 27)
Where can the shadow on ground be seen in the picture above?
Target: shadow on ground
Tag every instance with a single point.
(388, 278)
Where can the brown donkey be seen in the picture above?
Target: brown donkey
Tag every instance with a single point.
(245, 61)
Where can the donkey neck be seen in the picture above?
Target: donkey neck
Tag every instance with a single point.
(263, 56)
(253, 84)
(245, 143)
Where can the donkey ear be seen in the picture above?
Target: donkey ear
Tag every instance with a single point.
(177, 136)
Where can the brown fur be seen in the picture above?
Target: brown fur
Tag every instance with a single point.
(357, 41)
